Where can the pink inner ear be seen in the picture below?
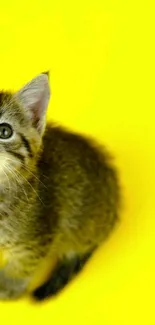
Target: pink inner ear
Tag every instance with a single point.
(38, 112)
(35, 97)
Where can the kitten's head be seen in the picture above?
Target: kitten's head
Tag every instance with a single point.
(22, 123)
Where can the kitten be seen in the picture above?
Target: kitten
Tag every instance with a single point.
(59, 194)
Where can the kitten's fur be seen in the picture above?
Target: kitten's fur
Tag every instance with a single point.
(59, 195)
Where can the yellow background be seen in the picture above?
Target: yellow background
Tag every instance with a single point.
(101, 59)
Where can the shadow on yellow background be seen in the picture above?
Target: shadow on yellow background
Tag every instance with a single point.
(101, 59)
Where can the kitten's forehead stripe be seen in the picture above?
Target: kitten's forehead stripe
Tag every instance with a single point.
(5, 98)
(9, 106)
(2, 98)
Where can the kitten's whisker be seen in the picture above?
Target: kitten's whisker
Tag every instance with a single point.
(21, 176)
(30, 186)
(7, 180)
(26, 168)
(18, 181)
(34, 175)
(10, 172)
(22, 187)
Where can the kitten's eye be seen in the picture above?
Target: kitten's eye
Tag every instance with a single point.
(5, 131)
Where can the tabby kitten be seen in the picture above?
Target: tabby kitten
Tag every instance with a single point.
(59, 195)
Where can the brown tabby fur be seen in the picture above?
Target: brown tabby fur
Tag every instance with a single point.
(59, 198)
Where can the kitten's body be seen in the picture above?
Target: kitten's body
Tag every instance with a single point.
(59, 199)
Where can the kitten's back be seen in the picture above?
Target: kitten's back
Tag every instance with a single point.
(82, 184)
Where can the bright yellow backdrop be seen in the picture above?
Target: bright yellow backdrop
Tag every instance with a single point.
(101, 58)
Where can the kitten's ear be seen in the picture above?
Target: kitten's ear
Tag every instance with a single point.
(34, 97)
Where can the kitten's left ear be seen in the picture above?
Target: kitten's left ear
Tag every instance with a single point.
(34, 97)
